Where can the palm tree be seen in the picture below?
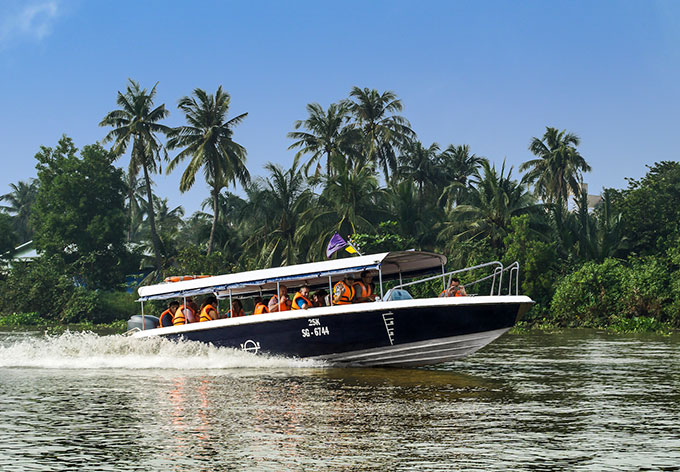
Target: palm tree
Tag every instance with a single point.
(460, 169)
(325, 136)
(493, 202)
(20, 202)
(381, 128)
(276, 208)
(350, 202)
(557, 171)
(137, 122)
(419, 164)
(208, 140)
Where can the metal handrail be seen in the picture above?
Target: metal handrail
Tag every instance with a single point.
(514, 267)
(498, 269)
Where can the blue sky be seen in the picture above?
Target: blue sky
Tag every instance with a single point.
(491, 74)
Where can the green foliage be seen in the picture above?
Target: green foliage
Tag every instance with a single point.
(192, 261)
(638, 324)
(115, 306)
(537, 259)
(597, 294)
(41, 286)
(22, 319)
(387, 239)
(8, 237)
(79, 212)
(650, 209)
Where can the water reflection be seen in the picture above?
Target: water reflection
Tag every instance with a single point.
(573, 401)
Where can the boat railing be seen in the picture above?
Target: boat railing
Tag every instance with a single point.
(496, 278)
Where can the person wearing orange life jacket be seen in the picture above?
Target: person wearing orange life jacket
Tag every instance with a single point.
(455, 289)
(260, 307)
(236, 309)
(209, 309)
(186, 314)
(166, 318)
(363, 289)
(280, 302)
(343, 292)
(301, 299)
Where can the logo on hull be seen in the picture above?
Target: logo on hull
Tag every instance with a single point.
(250, 346)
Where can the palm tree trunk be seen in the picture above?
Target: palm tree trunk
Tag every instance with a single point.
(152, 223)
(130, 192)
(215, 193)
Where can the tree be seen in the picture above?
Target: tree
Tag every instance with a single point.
(382, 130)
(208, 140)
(557, 171)
(20, 202)
(276, 210)
(350, 202)
(325, 135)
(8, 238)
(79, 212)
(419, 164)
(650, 209)
(492, 204)
(459, 169)
(137, 122)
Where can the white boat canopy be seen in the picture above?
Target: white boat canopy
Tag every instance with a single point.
(388, 265)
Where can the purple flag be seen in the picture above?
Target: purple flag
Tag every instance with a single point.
(335, 244)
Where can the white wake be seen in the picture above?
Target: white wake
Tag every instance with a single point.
(86, 350)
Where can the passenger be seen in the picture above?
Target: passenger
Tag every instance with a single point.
(168, 315)
(455, 289)
(363, 289)
(343, 292)
(260, 307)
(209, 309)
(301, 299)
(185, 314)
(236, 309)
(280, 302)
(319, 298)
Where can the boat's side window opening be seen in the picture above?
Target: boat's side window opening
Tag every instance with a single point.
(397, 294)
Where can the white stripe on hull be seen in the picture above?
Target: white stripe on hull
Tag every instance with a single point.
(433, 351)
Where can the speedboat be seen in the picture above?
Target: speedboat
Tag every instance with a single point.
(399, 329)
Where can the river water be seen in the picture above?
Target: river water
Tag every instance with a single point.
(567, 401)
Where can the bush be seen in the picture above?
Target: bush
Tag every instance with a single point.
(40, 286)
(599, 295)
(22, 319)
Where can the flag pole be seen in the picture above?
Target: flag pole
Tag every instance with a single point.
(349, 242)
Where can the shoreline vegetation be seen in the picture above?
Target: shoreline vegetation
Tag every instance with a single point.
(610, 261)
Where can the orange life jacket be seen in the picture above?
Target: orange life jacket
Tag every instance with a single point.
(260, 308)
(299, 296)
(166, 318)
(179, 318)
(342, 293)
(238, 313)
(205, 313)
(361, 290)
(444, 293)
(285, 306)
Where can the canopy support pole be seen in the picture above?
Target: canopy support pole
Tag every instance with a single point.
(443, 277)
(143, 323)
(380, 277)
(184, 308)
(231, 306)
(278, 298)
(330, 290)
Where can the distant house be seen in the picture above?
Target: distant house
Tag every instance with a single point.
(593, 200)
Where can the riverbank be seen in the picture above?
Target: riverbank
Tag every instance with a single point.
(639, 324)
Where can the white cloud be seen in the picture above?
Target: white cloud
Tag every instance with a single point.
(27, 20)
